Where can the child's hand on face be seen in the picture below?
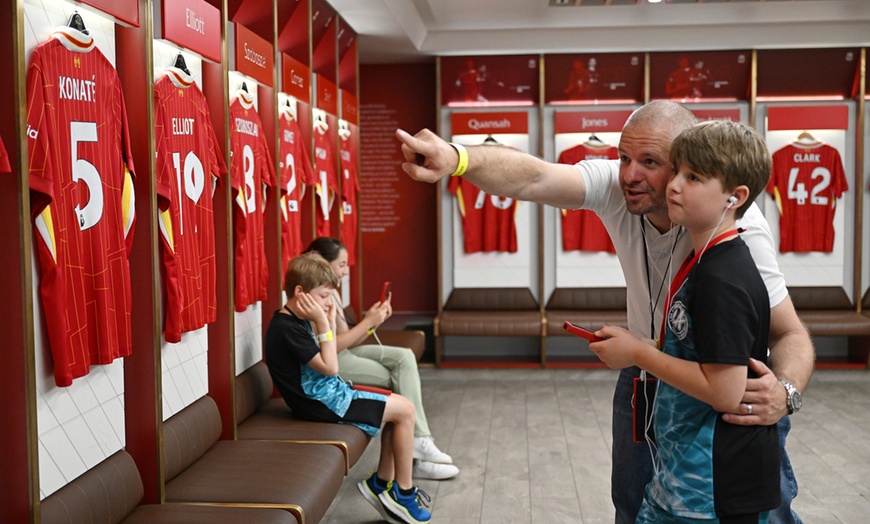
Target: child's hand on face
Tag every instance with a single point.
(331, 311)
(309, 308)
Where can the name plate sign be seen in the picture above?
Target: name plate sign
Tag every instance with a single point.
(295, 78)
(254, 55)
(193, 25)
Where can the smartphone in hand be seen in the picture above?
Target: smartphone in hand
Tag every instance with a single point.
(574, 329)
(385, 291)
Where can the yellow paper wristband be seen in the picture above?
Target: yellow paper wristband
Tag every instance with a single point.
(325, 337)
(370, 331)
(462, 166)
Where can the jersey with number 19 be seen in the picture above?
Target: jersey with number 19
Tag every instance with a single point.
(81, 200)
(189, 164)
(251, 173)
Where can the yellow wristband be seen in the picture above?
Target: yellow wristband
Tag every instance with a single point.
(462, 166)
(371, 331)
(325, 337)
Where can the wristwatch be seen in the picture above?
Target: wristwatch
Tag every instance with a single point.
(793, 400)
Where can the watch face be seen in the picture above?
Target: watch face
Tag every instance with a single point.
(796, 401)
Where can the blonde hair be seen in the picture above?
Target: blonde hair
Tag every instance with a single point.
(309, 270)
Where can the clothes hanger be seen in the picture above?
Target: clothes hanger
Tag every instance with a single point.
(245, 87)
(76, 22)
(181, 64)
(594, 140)
(807, 139)
(490, 141)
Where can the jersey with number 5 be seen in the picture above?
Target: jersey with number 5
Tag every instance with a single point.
(806, 183)
(82, 201)
(189, 164)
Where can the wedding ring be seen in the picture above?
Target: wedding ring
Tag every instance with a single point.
(748, 408)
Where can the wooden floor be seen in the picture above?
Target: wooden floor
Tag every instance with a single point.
(533, 446)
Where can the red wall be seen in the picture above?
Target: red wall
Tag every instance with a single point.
(397, 215)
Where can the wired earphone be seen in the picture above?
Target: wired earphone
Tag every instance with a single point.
(648, 420)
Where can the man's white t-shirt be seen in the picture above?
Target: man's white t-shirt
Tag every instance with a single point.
(665, 252)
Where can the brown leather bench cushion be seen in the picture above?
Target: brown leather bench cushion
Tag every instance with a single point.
(109, 493)
(189, 514)
(588, 307)
(264, 418)
(491, 299)
(589, 298)
(489, 323)
(301, 478)
(496, 312)
(828, 312)
(411, 339)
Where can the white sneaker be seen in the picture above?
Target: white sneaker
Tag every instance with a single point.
(423, 469)
(425, 449)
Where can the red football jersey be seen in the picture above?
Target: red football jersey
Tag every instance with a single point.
(296, 173)
(582, 230)
(82, 201)
(251, 172)
(327, 181)
(806, 183)
(4, 159)
(189, 164)
(487, 220)
(349, 190)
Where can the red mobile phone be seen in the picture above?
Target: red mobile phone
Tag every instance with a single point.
(574, 329)
(385, 290)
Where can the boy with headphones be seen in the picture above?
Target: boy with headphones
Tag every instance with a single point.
(717, 318)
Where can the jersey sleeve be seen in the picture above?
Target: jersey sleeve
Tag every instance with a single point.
(4, 159)
(839, 184)
(163, 168)
(39, 132)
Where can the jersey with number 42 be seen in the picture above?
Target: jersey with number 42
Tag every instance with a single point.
(806, 183)
(81, 200)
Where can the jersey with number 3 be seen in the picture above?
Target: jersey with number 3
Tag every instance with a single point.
(806, 183)
(251, 173)
(81, 200)
(189, 164)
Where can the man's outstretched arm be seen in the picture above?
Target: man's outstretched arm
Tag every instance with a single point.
(501, 171)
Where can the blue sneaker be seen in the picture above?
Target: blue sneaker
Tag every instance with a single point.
(371, 491)
(410, 509)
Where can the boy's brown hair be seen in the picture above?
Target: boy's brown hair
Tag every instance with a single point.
(309, 270)
(732, 152)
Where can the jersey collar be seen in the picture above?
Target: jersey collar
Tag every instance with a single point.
(179, 78)
(74, 40)
(245, 99)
